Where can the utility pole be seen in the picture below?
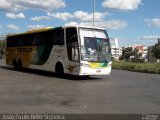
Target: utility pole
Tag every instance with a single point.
(94, 7)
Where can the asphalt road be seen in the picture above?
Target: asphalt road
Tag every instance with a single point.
(34, 91)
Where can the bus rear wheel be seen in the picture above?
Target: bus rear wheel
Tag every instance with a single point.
(59, 69)
(14, 63)
(17, 65)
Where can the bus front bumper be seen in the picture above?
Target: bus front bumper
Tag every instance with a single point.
(98, 71)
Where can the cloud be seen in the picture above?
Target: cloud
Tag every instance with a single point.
(63, 16)
(19, 5)
(153, 22)
(71, 23)
(15, 16)
(33, 27)
(150, 37)
(79, 16)
(112, 24)
(13, 27)
(38, 18)
(84, 16)
(124, 5)
(5, 5)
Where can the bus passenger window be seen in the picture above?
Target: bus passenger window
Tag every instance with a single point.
(38, 39)
(59, 37)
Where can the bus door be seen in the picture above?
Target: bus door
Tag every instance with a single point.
(72, 51)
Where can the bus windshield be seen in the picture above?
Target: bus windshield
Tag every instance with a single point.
(95, 45)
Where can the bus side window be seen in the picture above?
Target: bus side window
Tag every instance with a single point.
(51, 38)
(59, 37)
(47, 38)
(37, 40)
(34, 40)
(41, 40)
(18, 39)
(9, 42)
(30, 39)
(13, 41)
(33, 37)
(25, 40)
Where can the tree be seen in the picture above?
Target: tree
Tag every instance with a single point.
(128, 52)
(2, 45)
(156, 50)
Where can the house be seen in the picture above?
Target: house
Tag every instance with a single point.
(143, 50)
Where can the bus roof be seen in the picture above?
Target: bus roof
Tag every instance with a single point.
(34, 31)
(39, 30)
(83, 26)
(51, 28)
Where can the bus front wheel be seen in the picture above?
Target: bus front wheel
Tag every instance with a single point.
(59, 68)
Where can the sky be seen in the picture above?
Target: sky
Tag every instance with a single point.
(132, 22)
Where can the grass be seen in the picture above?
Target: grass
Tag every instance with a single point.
(137, 67)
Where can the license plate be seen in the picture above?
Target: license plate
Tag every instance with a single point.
(98, 71)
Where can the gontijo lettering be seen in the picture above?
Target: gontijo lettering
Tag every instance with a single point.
(24, 50)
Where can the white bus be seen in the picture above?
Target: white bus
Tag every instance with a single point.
(75, 50)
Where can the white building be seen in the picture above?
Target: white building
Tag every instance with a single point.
(115, 50)
(116, 53)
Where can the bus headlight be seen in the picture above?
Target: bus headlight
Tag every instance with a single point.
(110, 65)
(84, 65)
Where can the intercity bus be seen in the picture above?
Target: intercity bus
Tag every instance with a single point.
(76, 50)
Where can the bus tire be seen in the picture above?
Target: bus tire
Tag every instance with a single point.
(59, 69)
(19, 65)
(14, 64)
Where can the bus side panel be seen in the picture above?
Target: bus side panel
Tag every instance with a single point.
(36, 55)
(20, 53)
(55, 54)
(42, 54)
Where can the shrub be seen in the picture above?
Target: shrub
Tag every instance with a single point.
(138, 67)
